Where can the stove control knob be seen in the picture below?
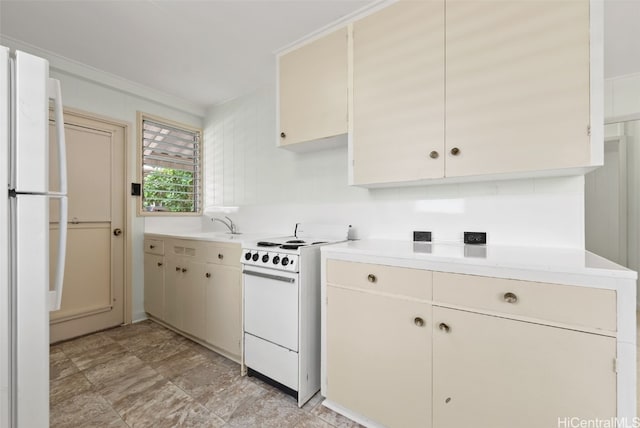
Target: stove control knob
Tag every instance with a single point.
(265, 258)
(285, 261)
(255, 257)
(276, 260)
(247, 256)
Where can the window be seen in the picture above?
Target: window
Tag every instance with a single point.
(171, 169)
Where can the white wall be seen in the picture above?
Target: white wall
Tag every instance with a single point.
(80, 91)
(622, 98)
(275, 188)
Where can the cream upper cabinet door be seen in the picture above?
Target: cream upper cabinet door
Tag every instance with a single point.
(500, 373)
(379, 357)
(517, 86)
(313, 90)
(398, 94)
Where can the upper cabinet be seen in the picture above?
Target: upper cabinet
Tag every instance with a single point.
(397, 103)
(313, 93)
(453, 90)
(517, 86)
(463, 89)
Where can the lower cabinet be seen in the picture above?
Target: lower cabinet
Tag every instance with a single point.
(223, 300)
(154, 285)
(400, 359)
(379, 356)
(500, 373)
(196, 288)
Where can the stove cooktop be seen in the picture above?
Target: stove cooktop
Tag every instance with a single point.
(291, 244)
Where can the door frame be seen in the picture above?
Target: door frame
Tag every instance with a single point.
(128, 221)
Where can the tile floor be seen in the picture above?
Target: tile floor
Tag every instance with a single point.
(144, 375)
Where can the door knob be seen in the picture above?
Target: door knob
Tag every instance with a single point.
(117, 232)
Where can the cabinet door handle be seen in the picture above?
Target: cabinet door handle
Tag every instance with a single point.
(220, 256)
(159, 263)
(177, 268)
(208, 275)
(371, 278)
(434, 155)
(184, 269)
(455, 151)
(152, 246)
(283, 135)
(510, 298)
(444, 327)
(418, 321)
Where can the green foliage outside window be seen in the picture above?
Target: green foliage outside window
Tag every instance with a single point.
(167, 189)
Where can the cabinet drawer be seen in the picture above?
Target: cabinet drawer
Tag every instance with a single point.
(387, 279)
(154, 246)
(224, 255)
(580, 306)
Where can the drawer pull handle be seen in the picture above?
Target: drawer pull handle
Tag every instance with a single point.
(455, 151)
(434, 155)
(220, 256)
(371, 278)
(152, 246)
(418, 321)
(510, 298)
(177, 268)
(444, 327)
(184, 269)
(208, 275)
(159, 263)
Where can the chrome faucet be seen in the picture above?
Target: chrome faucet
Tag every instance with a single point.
(231, 225)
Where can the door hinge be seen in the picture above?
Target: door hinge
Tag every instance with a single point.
(589, 130)
(615, 365)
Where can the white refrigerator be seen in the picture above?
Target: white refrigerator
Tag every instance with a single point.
(26, 297)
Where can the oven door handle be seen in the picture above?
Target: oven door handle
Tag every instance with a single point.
(269, 276)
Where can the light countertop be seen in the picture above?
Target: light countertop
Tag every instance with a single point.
(426, 255)
(212, 236)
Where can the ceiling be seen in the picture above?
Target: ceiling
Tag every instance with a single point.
(209, 51)
(203, 51)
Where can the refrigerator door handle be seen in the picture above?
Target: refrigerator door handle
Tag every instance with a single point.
(55, 295)
(56, 95)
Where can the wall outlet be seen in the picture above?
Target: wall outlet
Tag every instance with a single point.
(419, 236)
(135, 189)
(475, 237)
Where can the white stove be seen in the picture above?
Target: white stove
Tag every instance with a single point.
(281, 300)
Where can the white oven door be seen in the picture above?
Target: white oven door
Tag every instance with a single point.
(271, 305)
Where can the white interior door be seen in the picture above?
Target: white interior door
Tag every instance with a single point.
(93, 297)
(606, 204)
